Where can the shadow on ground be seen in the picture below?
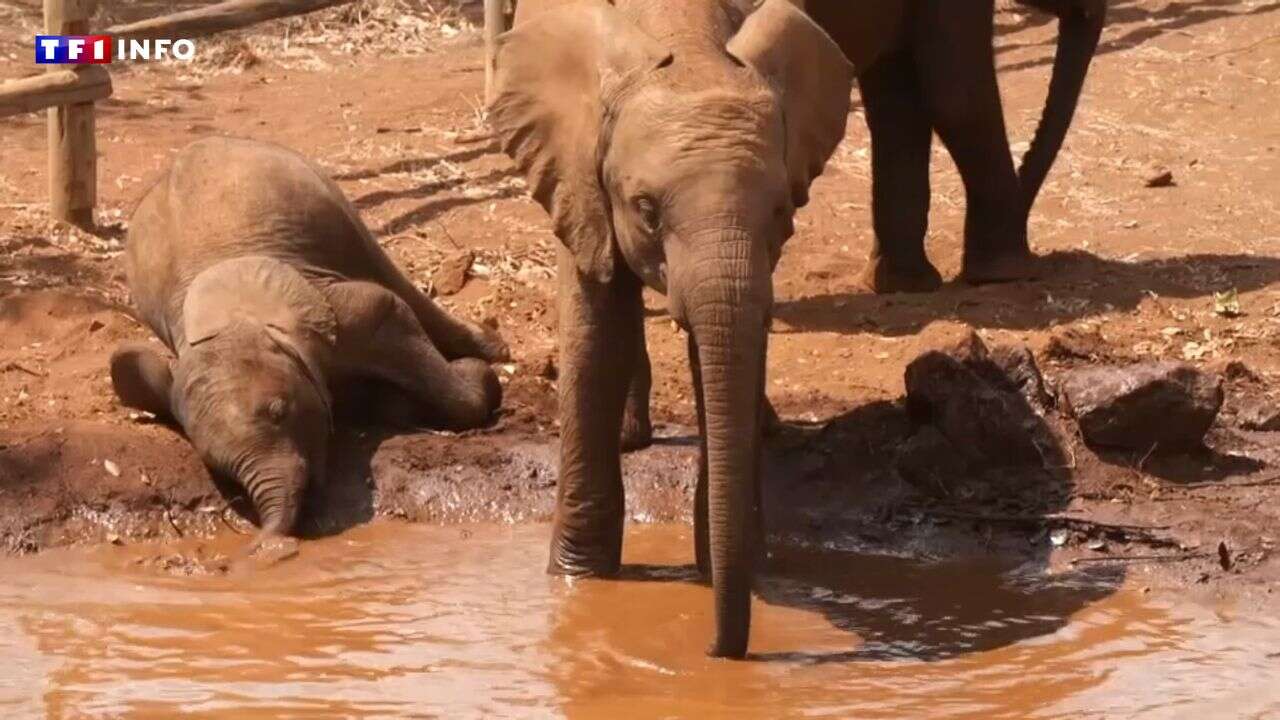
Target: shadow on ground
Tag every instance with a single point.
(1075, 285)
(915, 569)
(1131, 25)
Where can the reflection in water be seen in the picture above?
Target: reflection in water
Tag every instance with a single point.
(396, 621)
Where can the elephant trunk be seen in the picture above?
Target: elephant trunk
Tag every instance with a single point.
(276, 489)
(727, 313)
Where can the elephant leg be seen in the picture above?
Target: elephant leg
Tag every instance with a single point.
(957, 69)
(379, 336)
(901, 136)
(454, 337)
(599, 325)
(701, 520)
(637, 427)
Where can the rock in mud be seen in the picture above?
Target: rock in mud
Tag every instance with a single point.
(1259, 416)
(1077, 343)
(988, 403)
(929, 461)
(1159, 176)
(1167, 405)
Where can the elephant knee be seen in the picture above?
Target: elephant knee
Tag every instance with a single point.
(366, 312)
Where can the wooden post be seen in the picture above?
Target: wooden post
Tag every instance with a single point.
(73, 152)
(495, 23)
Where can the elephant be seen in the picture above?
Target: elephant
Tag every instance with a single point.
(671, 143)
(259, 277)
(926, 66)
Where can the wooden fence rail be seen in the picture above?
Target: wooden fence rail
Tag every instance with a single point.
(60, 87)
(231, 15)
(69, 94)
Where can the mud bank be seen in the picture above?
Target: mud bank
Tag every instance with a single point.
(831, 484)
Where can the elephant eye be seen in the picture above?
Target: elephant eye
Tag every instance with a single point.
(275, 410)
(649, 213)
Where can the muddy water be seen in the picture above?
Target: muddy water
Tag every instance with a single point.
(457, 622)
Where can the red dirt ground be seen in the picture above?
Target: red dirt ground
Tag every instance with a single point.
(1132, 272)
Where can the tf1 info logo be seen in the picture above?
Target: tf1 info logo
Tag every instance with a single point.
(102, 49)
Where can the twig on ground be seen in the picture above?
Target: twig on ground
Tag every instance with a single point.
(15, 365)
(397, 238)
(1271, 480)
(168, 516)
(1143, 462)
(1049, 519)
(448, 235)
(1243, 48)
(1142, 558)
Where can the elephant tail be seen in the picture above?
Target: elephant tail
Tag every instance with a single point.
(1080, 28)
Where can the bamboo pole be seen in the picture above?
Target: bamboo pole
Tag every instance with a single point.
(60, 87)
(495, 23)
(230, 15)
(73, 152)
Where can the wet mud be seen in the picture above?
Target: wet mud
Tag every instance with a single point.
(395, 620)
(1085, 584)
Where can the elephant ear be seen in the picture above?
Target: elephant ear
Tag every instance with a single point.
(553, 75)
(259, 290)
(812, 77)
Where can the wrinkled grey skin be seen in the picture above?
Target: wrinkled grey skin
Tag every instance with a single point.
(671, 142)
(259, 277)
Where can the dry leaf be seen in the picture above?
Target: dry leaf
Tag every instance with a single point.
(1227, 304)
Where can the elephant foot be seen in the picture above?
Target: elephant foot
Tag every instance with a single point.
(1006, 267)
(883, 278)
(482, 380)
(728, 649)
(264, 552)
(577, 566)
(482, 342)
(275, 550)
(586, 559)
(637, 432)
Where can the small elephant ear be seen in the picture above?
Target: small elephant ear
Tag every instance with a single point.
(142, 379)
(260, 290)
(811, 74)
(289, 344)
(553, 75)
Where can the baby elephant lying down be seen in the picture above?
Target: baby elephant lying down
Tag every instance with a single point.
(261, 279)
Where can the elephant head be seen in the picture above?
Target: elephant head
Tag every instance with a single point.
(681, 157)
(247, 387)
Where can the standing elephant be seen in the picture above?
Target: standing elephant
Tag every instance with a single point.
(671, 142)
(257, 274)
(926, 66)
